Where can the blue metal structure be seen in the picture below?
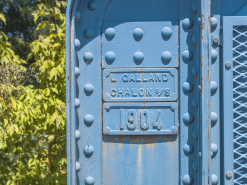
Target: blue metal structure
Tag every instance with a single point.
(156, 92)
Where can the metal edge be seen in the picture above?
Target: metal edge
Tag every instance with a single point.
(205, 113)
(67, 76)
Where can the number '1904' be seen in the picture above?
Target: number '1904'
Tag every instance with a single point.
(144, 119)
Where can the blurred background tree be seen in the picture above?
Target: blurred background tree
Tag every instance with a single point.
(32, 125)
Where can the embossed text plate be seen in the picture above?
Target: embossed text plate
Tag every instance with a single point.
(148, 84)
(140, 118)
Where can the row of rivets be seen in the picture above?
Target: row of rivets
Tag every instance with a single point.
(138, 57)
(88, 88)
(188, 87)
(138, 33)
(214, 87)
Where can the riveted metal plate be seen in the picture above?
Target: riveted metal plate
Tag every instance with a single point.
(152, 39)
(140, 118)
(152, 84)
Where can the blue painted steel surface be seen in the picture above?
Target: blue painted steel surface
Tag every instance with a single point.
(153, 43)
(149, 100)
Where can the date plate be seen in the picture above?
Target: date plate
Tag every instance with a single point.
(142, 84)
(140, 118)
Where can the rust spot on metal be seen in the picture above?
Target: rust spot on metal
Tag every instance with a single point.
(202, 57)
(209, 19)
(68, 77)
(203, 25)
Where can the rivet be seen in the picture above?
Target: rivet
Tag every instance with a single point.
(138, 57)
(214, 148)
(188, 149)
(214, 179)
(195, 166)
(77, 16)
(166, 32)
(194, 6)
(187, 23)
(89, 119)
(194, 70)
(214, 22)
(88, 150)
(187, 55)
(199, 87)
(166, 56)
(88, 88)
(88, 57)
(214, 86)
(92, 5)
(110, 33)
(194, 38)
(228, 174)
(199, 19)
(187, 87)
(214, 117)
(195, 102)
(187, 180)
(77, 71)
(188, 118)
(77, 134)
(107, 106)
(138, 33)
(214, 54)
(174, 106)
(77, 166)
(89, 180)
(110, 57)
(77, 44)
(107, 131)
(195, 134)
(77, 103)
(174, 129)
(200, 154)
(228, 64)
(88, 33)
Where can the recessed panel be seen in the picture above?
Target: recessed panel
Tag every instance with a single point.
(140, 44)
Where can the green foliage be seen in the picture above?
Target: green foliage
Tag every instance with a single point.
(21, 26)
(32, 128)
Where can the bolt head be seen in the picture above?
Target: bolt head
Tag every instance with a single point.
(229, 174)
(228, 64)
(107, 131)
(107, 106)
(216, 40)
